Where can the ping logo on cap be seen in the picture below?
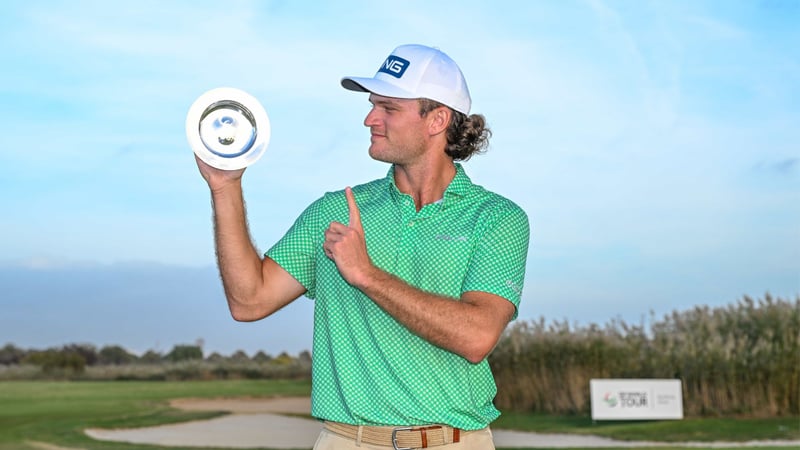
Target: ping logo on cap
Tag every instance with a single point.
(394, 66)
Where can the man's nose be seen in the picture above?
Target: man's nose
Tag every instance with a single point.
(371, 118)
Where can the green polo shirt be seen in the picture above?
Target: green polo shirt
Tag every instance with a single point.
(367, 368)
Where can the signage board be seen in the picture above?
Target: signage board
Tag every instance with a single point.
(636, 399)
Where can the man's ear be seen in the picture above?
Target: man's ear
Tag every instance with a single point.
(439, 120)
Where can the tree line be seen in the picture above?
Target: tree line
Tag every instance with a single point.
(114, 362)
(740, 359)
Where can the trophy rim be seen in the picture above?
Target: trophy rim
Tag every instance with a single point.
(216, 96)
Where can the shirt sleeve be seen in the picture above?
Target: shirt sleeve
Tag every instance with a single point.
(498, 264)
(296, 250)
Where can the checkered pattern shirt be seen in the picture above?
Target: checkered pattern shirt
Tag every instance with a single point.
(367, 368)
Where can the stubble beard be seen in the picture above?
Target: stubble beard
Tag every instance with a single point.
(394, 154)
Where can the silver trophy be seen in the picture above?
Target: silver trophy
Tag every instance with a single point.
(227, 128)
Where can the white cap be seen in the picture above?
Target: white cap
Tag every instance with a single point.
(417, 71)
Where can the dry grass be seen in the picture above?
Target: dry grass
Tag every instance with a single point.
(743, 359)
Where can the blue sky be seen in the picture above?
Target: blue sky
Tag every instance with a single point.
(654, 144)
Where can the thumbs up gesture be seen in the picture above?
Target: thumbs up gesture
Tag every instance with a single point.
(345, 244)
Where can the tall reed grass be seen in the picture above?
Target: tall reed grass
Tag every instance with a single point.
(743, 359)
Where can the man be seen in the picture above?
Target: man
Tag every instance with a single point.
(414, 276)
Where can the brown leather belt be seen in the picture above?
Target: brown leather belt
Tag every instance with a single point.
(399, 438)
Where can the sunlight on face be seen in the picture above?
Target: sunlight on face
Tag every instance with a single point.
(396, 130)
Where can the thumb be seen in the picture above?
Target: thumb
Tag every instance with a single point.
(355, 214)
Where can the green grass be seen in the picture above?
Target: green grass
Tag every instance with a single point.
(56, 413)
(702, 430)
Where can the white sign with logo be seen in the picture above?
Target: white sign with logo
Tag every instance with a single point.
(636, 399)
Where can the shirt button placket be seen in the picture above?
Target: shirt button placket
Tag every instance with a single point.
(407, 240)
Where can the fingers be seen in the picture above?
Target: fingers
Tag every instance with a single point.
(338, 234)
(217, 178)
(355, 214)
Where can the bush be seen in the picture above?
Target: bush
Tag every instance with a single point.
(11, 355)
(185, 353)
(57, 362)
(114, 355)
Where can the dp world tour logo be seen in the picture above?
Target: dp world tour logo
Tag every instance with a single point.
(394, 66)
(631, 399)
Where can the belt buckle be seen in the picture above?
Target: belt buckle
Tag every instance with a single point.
(394, 437)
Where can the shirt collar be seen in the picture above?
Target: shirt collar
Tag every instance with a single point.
(460, 184)
(457, 188)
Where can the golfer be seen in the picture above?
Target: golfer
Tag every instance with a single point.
(414, 276)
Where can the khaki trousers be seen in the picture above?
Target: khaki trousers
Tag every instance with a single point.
(470, 440)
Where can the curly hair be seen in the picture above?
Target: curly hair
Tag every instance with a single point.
(466, 135)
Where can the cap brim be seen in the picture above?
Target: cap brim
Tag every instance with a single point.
(375, 86)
